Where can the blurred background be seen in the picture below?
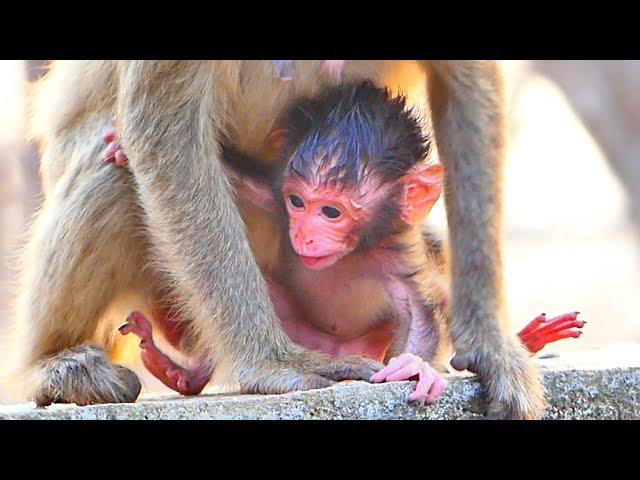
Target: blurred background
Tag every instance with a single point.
(572, 192)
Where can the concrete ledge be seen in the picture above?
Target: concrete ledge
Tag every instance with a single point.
(592, 392)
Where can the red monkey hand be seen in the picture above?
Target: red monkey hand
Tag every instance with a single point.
(541, 331)
(410, 367)
(114, 152)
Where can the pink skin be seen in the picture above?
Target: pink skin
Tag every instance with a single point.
(374, 343)
(320, 242)
(182, 380)
(411, 367)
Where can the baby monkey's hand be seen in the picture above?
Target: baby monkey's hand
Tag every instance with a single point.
(411, 367)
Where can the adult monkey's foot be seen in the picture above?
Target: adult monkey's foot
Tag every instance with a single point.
(303, 369)
(306, 370)
(511, 380)
(84, 375)
(512, 386)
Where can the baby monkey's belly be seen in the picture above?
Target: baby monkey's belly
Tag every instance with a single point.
(323, 323)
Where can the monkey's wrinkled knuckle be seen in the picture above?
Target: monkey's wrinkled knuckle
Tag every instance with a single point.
(463, 362)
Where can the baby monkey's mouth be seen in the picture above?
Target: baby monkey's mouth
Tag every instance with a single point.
(319, 262)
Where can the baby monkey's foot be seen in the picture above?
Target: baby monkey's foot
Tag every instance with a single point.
(138, 324)
(114, 152)
(541, 331)
(411, 367)
(180, 379)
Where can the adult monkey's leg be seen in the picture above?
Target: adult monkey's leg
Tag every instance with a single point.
(82, 252)
(170, 117)
(468, 116)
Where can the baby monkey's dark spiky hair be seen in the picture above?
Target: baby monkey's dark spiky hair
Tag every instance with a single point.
(351, 131)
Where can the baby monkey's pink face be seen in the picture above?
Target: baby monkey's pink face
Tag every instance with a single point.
(323, 222)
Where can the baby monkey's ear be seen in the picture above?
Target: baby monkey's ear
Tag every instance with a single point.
(422, 187)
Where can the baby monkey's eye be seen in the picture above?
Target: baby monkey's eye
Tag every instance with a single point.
(330, 212)
(296, 201)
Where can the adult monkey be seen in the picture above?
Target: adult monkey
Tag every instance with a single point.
(172, 118)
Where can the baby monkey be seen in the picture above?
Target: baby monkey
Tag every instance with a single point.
(351, 187)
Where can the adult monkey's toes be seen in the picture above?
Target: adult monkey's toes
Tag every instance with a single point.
(512, 384)
(350, 367)
(306, 370)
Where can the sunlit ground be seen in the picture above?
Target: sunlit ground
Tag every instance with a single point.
(568, 245)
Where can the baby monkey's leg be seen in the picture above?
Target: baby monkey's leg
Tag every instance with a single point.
(182, 380)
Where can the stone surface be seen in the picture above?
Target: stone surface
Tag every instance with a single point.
(586, 385)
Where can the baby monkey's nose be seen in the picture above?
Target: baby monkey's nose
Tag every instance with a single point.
(303, 239)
